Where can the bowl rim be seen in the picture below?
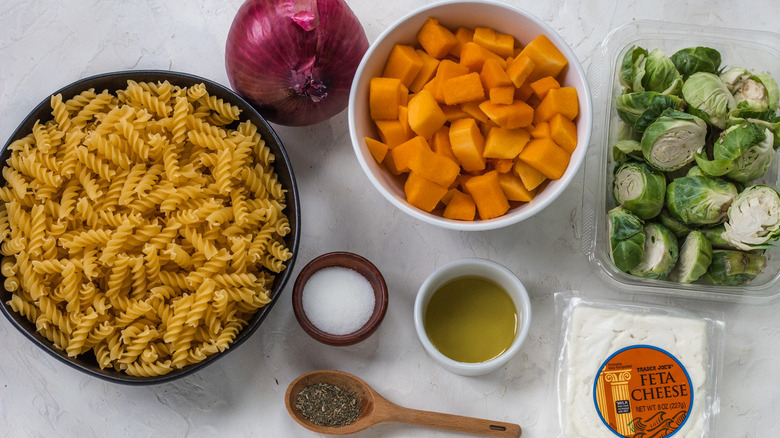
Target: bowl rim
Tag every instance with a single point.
(282, 160)
(362, 266)
(459, 269)
(508, 218)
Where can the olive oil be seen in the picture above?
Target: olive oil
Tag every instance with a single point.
(471, 319)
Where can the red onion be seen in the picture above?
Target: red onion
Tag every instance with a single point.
(294, 60)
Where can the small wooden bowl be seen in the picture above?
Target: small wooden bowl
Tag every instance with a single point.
(362, 266)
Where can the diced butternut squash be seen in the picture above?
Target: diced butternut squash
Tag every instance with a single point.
(403, 154)
(391, 132)
(403, 117)
(377, 148)
(531, 177)
(520, 69)
(513, 188)
(448, 196)
(403, 63)
(563, 132)
(543, 85)
(502, 165)
(460, 206)
(502, 95)
(473, 56)
(516, 115)
(453, 112)
(548, 60)
(505, 143)
(546, 157)
(488, 196)
(485, 127)
(492, 75)
(501, 44)
(440, 143)
(427, 71)
(422, 193)
(384, 97)
(462, 89)
(558, 101)
(524, 92)
(425, 116)
(463, 35)
(436, 39)
(448, 69)
(467, 144)
(434, 167)
(473, 110)
(541, 130)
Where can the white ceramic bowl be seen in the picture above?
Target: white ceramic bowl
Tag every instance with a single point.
(473, 267)
(507, 19)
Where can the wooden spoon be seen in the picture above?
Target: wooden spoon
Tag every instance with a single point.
(375, 409)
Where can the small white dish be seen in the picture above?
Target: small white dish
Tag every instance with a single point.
(473, 267)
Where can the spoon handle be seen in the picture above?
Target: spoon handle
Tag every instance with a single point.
(456, 423)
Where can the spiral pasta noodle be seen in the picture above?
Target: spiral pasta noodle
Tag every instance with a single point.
(144, 227)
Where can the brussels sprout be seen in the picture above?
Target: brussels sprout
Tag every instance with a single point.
(639, 188)
(632, 69)
(624, 149)
(639, 110)
(696, 59)
(626, 238)
(715, 236)
(753, 218)
(733, 268)
(699, 200)
(677, 227)
(660, 74)
(765, 119)
(695, 258)
(754, 162)
(733, 143)
(758, 92)
(660, 253)
(708, 98)
(695, 171)
(671, 141)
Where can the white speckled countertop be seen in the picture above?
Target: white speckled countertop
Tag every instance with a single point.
(46, 44)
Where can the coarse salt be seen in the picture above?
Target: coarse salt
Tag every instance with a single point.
(338, 300)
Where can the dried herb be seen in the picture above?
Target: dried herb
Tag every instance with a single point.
(328, 405)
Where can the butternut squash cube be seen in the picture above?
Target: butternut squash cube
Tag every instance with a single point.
(463, 35)
(460, 206)
(448, 69)
(513, 188)
(467, 144)
(546, 157)
(558, 101)
(447, 196)
(524, 92)
(563, 132)
(403, 63)
(488, 196)
(377, 148)
(543, 85)
(440, 143)
(541, 130)
(453, 112)
(391, 132)
(520, 69)
(436, 39)
(462, 89)
(427, 71)
(501, 44)
(502, 95)
(473, 110)
(434, 167)
(473, 56)
(548, 60)
(485, 127)
(492, 75)
(531, 177)
(425, 116)
(515, 115)
(502, 165)
(384, 97)
(505, 143)
(422, 193)
(404, 153)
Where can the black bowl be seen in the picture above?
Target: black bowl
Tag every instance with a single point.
(117, 81)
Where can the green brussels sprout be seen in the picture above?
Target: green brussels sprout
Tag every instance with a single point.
(715, 236)
(679, 228)
(757, 92)
(695, 171)
(626, 238)
(640, 109)
(639, 188)
(696, 59)
(695, 257)
(765, 119)
(730, 155)
(672, 140)
(754, 162)
(661, 253)
(733, 268)
(632, 69)
(660, 74)
(625, 149)
(699, 200)
(753, 218)
(708, 98)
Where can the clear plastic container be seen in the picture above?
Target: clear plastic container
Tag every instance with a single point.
(755, 50)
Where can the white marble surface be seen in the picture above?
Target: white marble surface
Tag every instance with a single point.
(46, 44)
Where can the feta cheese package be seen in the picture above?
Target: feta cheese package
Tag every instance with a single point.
(632, 370)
